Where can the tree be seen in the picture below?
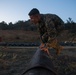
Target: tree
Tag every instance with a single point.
(3, 25)
(71, 25)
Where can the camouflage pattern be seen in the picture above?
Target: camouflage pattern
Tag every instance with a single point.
(50, 26)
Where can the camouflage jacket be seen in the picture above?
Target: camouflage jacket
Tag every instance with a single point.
(50, 25)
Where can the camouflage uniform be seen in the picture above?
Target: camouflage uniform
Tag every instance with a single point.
(50, 27)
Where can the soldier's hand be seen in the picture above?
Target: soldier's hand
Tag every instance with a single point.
(42, 45)
(44, 48)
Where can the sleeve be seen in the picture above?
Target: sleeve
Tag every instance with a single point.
(44, 38)
(51, 31)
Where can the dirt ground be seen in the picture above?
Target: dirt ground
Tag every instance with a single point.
(13, 60)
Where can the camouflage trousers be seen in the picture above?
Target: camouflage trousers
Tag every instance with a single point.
(55, 45)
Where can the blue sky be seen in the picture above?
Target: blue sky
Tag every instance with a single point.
(15, 10)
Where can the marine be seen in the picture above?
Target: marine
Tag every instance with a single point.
(50, 27)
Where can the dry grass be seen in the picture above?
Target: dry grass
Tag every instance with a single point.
(13, 61)
(26, 36)
(19, 36)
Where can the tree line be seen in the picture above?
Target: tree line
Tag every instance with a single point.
(70, 25)
(20, 25)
